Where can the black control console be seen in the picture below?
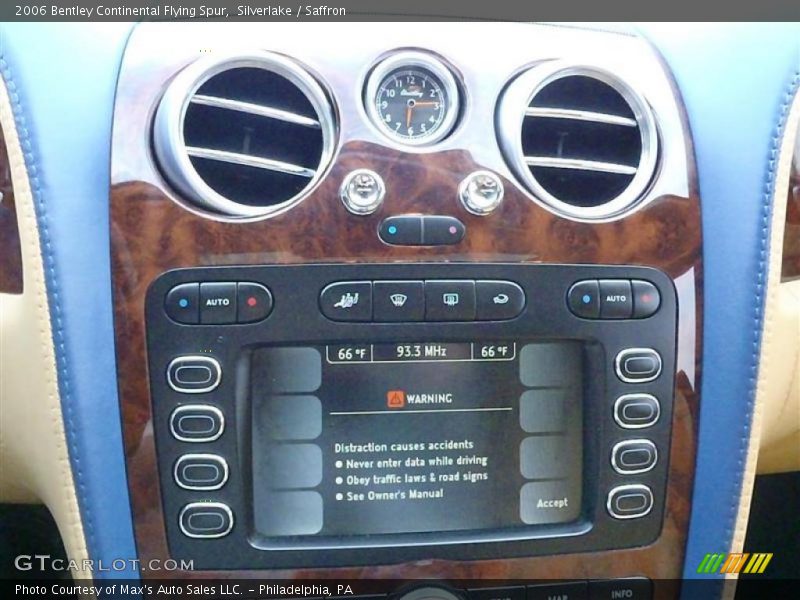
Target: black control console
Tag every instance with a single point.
(323, 415)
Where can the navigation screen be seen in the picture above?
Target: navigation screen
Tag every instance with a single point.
(378, 439)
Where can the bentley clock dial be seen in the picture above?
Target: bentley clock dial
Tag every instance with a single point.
(413, 98)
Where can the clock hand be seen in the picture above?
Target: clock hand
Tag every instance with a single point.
(408, 116)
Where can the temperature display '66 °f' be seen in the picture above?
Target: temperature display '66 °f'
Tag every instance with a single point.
(413, 98)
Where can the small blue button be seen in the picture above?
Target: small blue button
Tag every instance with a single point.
(392, 229)
(183, 303)
(586, 298)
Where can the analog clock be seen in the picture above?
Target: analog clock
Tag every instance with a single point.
(413, 98)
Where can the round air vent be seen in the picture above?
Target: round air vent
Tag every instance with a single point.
(580, 139)
(244, 136)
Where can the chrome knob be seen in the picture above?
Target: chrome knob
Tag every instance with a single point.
(362, 191)
(481, 192)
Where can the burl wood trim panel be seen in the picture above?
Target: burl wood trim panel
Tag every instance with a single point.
(10, 252)
(151, 232)
(790, 268)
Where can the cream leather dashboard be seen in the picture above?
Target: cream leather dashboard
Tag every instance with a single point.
(779, 378)
(34, 460)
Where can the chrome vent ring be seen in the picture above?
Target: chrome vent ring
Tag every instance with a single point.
(579, 139)
(244, 136)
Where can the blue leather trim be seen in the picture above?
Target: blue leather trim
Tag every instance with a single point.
(734, 80)
(62, 79)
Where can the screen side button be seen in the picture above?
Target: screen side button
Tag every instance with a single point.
(201, 472)
(182, 303)
(629, 501)
(636, 411)
(196, 423)
(498, 300)
(347, 301)
(194, 374)
(634, 456)
(583, 299)
(206, 520)
(638, 365)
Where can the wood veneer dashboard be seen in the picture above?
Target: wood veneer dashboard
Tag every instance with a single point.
(10, 253)
(155, 228)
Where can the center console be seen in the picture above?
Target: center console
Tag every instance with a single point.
(385, 411)
(459, 344)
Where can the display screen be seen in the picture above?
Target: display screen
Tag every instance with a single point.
(368, 440)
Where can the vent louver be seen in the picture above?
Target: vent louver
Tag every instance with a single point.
(579, 139)
(244, 136)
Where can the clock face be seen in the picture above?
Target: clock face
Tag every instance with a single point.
(413, 103)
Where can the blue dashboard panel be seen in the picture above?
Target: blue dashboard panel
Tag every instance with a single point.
(62, 78)
(735, 81)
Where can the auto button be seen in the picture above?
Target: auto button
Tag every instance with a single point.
(217, 303)
(615, 299)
